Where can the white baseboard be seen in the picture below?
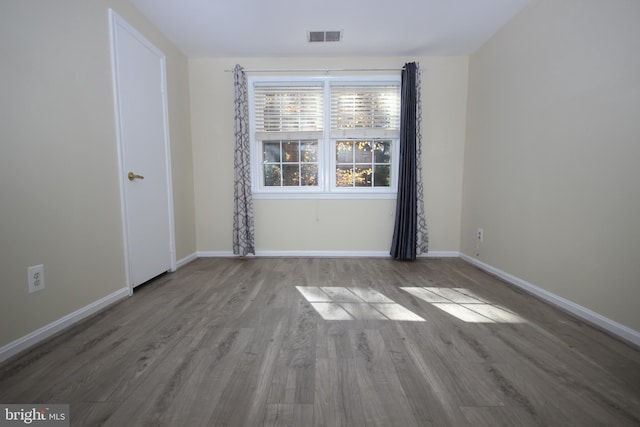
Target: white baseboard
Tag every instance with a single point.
(325, 254)
(298, 254)
(217, 254)
(186, 260)
(583, 313)
(49, 330)
(440, 254)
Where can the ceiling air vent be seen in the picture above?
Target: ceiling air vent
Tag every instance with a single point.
(324, 36)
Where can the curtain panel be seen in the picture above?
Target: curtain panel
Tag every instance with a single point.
(243, 229)
(410, 236)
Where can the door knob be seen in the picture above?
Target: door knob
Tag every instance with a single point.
(133, 176)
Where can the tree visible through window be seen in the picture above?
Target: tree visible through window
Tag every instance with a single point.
(290, 163)
(363, 163)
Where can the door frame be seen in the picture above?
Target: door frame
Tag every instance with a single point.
(117, 23)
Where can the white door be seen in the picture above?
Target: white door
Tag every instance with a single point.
(141, 114)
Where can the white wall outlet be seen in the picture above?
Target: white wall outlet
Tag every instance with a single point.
(480, 235)
(36, 278)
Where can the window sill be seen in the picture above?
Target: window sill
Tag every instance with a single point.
(323, 195)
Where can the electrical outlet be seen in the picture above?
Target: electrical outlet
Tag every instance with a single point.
(36, 278)
(480, 235)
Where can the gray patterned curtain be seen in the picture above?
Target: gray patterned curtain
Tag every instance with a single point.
(243, 201)
(410, 237)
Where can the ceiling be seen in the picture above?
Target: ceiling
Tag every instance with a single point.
(279, 28)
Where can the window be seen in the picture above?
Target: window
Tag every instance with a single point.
(324, 136)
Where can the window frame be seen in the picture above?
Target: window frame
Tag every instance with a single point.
(327, 163)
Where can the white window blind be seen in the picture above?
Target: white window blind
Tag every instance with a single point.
(365, 111)
(291, 112)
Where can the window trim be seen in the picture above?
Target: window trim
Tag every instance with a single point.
(326, 145)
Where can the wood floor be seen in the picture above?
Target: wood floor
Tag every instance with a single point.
(234, 342)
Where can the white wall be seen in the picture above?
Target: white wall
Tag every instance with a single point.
(59, 184)
(326, 225)
(553, 142)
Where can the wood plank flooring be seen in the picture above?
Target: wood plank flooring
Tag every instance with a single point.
(233, 342)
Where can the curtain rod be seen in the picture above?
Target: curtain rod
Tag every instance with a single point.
(316, 70)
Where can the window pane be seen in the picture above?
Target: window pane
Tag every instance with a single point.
(272, 175)
(382, 152)
(363, 152)
(290, 175)
(271, 152)
(309, 175)
(309, 151)
(344, 152)
(363, 176)
(290, 151)
(290, 163)
(382, 176)
(363, 163)
(344, 176)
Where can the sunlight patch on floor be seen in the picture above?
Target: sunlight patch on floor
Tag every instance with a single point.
(355, 303)
(465, 305)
